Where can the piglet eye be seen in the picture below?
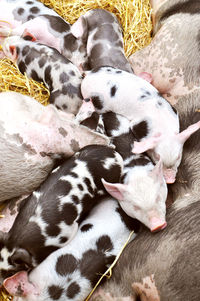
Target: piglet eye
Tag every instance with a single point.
(136, 208)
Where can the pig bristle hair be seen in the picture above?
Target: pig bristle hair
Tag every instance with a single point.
(133, 15)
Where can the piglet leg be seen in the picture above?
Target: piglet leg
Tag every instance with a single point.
(147, 290)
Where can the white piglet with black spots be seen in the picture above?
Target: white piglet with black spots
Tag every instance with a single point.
(48, 219)
(71, 272)
(154, 121)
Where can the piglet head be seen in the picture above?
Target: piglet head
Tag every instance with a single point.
(9, 47)
(167, 149)
(143, 197)
(19, 285)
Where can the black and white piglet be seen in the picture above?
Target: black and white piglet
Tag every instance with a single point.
(71, 272)
(154, 121)
(34, 18)
(142, 191)
(46, 64)
(48, 219)
(102, 34)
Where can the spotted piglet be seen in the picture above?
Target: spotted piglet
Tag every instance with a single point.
(102, 34)
(46, 64)
(71, 272)
(153, 120)
(34, 18)
(142, 192)
(49, 217)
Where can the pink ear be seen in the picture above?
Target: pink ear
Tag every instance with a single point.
(148, 143)
(157, 172)
(79, 28)
(184, 135)
(147, 76)
(116, 190)
(13, 52)
(18, 284)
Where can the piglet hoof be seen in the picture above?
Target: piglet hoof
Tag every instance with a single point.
(146, 290)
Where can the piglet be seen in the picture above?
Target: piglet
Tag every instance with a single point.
(46, 64)
(154, 121)
(142, 192)
(102, 34)
(32, 137)
(70, 273)
(48, 27)
(49, 218)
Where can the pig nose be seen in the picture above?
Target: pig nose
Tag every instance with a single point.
(157, 224)
(159, 227)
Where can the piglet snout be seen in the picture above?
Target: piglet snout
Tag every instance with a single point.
(169, 175)
(157, 224)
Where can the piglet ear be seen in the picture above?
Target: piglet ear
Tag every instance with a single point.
(147, 76)
(146, 144)
(13, 52)
(18, 285)
(116, 190)
(157, 171)
(80, 28)
(184, 135)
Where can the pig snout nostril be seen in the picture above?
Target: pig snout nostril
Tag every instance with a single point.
(87, 99)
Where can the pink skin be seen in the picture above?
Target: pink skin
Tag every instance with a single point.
(38, 28)
(19, 283)
(147, 289)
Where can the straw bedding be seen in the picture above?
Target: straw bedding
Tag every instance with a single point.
(135, 18)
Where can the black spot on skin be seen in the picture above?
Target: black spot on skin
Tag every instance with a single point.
(118, 71)
(86, 227)
(92, 271)
(141, 161)
(63, 240)
(72, 73)
(53, 230)
(97, 102)
(42, 61)
(145, 94)
(74, 145)
(25, 50)
(64, 107)
(55, 292)
(20, 11)
(104, 243)
(57, 23)
(131, 223)
(159, 103)
(106, 32)
(111, 122)
(35, 76)
(72, 290)
(63, 77)
(63, 132)
(30, 17)
(29, 2)
(89, 185)
(70, 42)
(74, 175)
(48, 78)
(22, 67)
(66, 264)
(140, 130)
(80, 187)
(189, 7)
(69, 213)
(71, 90)
(34, 10)
(75, 199)
(113, 91)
